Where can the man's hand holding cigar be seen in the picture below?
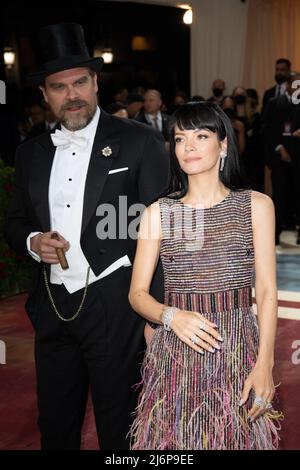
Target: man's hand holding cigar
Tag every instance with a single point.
(46, 246)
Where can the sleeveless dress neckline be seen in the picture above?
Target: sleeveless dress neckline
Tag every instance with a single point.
(206, 208)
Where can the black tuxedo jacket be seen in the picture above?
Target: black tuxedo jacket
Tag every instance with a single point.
(133, 145)
(268, 95)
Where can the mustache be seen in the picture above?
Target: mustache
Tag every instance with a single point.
(73, 104)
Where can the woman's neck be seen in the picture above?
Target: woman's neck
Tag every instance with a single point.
(204, 190)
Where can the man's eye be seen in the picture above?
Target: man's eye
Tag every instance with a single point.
(81, 82)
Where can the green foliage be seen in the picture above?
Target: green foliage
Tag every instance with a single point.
(15, 269)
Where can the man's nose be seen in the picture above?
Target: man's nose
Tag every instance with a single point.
(71, 92)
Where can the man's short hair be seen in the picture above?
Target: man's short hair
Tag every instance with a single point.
(287, 62)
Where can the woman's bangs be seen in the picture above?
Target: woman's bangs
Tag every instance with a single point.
(197, 117)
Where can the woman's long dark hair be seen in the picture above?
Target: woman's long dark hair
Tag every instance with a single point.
(205, 115)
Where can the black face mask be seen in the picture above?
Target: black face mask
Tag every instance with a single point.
(240, 99)
(217, 92)
(279, 78)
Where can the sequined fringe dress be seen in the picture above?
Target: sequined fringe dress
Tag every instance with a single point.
(188, 400)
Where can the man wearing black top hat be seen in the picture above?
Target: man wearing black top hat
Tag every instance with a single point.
(87, 181)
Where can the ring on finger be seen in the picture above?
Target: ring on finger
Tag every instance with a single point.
(260, 402)
(202, 325)
(194, 339)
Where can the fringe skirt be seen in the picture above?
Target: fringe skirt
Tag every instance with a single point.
(190, 401)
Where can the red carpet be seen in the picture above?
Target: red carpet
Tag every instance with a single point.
(18, 429)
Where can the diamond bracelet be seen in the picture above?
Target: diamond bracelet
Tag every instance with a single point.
(167, 317)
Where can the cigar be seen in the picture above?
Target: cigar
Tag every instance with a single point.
(60, 253)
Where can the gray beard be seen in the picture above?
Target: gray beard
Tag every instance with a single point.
(75, 124)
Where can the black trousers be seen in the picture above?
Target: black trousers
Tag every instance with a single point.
(284, 183)
(102, 348)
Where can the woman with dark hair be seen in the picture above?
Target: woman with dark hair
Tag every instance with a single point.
(207, 372)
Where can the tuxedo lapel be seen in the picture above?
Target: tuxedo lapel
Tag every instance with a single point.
(39, 179)
(105, 150)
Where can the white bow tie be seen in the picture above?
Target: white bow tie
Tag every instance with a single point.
(66, 139)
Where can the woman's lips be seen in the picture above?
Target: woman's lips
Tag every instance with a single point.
(192, 159)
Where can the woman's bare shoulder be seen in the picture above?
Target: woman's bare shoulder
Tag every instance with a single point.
(262, 205)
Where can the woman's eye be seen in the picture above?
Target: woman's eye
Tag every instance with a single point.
(178, 139)
(202, 136)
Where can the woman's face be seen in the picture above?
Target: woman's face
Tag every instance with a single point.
(239, 91)
(198, 150)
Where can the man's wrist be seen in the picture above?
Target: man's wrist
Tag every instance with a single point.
(34, 241)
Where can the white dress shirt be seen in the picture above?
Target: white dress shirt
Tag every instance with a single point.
(66, 193)
(151, 117)
(280, 89)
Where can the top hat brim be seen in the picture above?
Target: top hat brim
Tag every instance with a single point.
(37, 78)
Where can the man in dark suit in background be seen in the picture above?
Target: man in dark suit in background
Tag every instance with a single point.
(282, 71)
(282, 136)
(87, 182)
(152, 115)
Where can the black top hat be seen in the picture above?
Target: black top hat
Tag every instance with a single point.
(62, 47)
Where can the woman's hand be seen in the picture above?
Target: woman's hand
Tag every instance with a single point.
(261, 380)
(196, 331)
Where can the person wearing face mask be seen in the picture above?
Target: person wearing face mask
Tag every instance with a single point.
(282, 71)
(254, 160)
(228, 106)
(218, 88)
(239, 96)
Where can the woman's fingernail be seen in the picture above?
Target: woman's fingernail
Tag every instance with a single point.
(241, 402)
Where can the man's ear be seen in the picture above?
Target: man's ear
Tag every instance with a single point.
(44, 93)
(95, 82)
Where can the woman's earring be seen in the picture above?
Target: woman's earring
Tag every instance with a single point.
(223, 156)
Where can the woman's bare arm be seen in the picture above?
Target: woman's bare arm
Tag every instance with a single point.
(185, 324)
(260, 378)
